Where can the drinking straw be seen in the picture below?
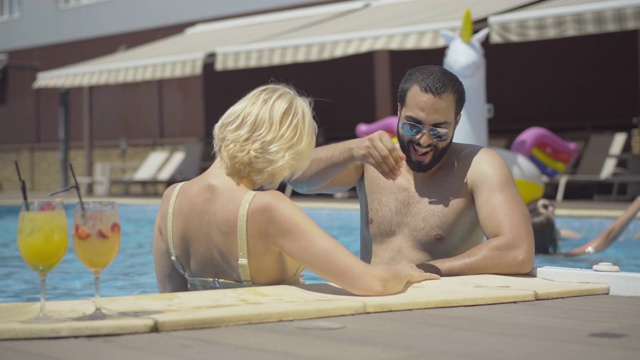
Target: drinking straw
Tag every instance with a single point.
(75, 186)
(23, 187)
(75, 181)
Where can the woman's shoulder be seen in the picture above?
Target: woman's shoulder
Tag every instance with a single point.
(168, 192)
(274, 206)
(271, 200)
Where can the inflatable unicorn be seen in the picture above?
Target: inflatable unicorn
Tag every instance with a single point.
(465, 58)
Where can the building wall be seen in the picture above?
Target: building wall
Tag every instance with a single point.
(144, 115)
(572, 86)
(342, 90)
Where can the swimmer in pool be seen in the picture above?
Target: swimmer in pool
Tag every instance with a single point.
(546, 235)
(228, 227)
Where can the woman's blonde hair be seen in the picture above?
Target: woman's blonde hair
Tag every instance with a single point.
(267, 136)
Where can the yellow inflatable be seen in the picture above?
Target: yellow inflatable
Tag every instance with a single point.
(526, 174)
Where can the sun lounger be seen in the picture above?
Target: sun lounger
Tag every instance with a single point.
(145, 172)
(599, 164)
(162, 167)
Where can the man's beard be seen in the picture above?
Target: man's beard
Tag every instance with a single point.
(418, 166)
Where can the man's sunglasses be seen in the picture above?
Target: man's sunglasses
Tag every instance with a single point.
(413, 129)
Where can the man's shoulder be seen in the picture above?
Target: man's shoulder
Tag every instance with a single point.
(466, 149)
(475, 152)
(466, 153)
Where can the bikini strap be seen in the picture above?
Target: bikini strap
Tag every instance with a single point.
(172, 251)
(243, 212)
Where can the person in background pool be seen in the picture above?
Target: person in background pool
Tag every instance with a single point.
(228, 227)
(546, 235)
(428, 199)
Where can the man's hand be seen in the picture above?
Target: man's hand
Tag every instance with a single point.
(430, 268)
(379, 151)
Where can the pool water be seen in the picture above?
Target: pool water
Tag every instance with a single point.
(624, 252)
(133, 273)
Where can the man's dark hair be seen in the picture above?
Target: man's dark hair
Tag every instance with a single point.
(434, 80)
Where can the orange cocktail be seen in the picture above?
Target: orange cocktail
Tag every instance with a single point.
(96, 238)
(96, 241)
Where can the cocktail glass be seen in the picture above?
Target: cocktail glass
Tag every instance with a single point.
(43, 239)
(96, 242)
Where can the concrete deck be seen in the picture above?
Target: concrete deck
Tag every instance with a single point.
(588, 327)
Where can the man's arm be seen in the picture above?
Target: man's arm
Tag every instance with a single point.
(338, 167)
(509, 247)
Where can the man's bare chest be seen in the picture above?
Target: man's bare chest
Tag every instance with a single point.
(437, 219)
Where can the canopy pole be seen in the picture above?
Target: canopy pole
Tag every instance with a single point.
(160, 133)
(63, 136)
(382, 84)
(86, 132)
(638, 50)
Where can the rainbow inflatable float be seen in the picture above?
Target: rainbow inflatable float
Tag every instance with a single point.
(550, 153)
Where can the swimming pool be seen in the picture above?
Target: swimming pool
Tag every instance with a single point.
(132, 272)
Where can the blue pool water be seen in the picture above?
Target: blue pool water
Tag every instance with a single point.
(132, 272)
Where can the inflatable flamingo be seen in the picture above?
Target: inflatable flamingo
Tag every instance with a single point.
(465, 58)
(388, 124)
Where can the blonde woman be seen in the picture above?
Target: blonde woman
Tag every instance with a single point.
(228, 227)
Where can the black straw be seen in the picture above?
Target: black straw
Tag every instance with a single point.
(75, 181)
(23, 187)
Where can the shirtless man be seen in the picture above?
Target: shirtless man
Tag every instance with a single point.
(435, 211)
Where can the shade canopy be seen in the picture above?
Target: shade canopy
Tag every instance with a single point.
(383, 25)
(184, 54)
(293, 36)
(555, 19)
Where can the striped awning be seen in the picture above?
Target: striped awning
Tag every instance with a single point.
(555, 19)
(383, 25)
(293, 36)
(184, 54)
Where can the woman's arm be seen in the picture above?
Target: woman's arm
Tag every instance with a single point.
(296, 235)
(611, 233)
